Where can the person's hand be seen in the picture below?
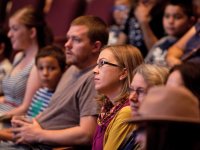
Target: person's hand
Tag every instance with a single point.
(18, 121)
(172, 61)
(142, 12)
(5, 117)
(26, 131)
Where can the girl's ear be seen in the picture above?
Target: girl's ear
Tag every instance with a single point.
(124, 74)
(33, 32)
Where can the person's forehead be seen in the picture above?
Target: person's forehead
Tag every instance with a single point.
(138, 81)
(78, 29)
(107, 54)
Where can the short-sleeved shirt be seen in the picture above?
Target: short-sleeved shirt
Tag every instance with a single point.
(40, 101)
(74, 98)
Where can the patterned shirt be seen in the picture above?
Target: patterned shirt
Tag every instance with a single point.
(40, 101)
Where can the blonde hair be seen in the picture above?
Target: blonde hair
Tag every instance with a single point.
(128, 57)
(152, 74)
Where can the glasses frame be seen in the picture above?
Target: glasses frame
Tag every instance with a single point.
(104, 62)
(139, 92)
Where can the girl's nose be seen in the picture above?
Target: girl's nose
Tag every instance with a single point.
(96, 69)
(133, 96)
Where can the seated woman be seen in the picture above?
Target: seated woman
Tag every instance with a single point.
(168, 119)
(112, 76)
(145, 77)
(50, 63)
(28, 32)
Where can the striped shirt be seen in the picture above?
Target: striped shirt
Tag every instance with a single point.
(40, 101)
(14, 87)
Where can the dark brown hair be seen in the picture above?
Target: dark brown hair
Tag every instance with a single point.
(55, 52)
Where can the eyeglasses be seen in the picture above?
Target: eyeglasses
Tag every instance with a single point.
(139, 92)
(103, 62)
(120, 7)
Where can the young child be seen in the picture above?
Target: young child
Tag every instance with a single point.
(51, 63)
(178, 18)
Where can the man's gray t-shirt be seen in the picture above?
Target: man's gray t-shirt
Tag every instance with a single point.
(73, 98)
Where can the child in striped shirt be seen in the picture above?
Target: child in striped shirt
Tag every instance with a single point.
(51, 63)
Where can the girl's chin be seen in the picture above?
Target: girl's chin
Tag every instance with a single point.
(99, 89)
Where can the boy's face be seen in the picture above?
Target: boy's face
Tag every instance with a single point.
(175, 21)
(49, 71)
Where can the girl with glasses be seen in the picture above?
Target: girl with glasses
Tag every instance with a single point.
(112, 77)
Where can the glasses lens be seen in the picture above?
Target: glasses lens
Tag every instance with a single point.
(101, 63)
(120, 7)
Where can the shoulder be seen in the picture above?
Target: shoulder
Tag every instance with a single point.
(124, 113)
(18, 57)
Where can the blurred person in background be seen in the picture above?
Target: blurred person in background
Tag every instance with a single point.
(121, 10)
(28, 32)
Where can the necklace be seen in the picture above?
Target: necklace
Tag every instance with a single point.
(109, 110)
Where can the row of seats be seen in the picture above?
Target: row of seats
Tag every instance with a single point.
(62, 12)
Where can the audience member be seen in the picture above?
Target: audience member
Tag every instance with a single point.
(112, 76)
(28, 32)
(5, 52)
(178, 18)
(144, 24)
(51, 63)
(168, 119)
(145, 77)
(71, 115)
(188, 44)
(121, 10)
(186, 74)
